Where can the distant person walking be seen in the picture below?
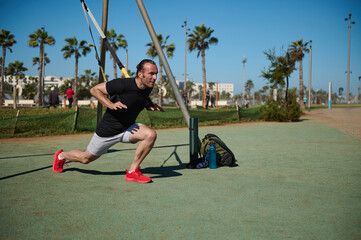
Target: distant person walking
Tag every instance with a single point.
(207, 99)
(69, 95)
(53, 98)
(129, 97)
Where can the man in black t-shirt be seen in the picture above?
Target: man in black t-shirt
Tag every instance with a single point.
(128, 97)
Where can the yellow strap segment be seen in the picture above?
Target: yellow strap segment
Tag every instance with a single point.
(105, 79)
(125, 73)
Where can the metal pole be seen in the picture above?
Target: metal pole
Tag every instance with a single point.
(193, 140)
(329, 94)
(185, 55)
(309, 79)
(102, 55)
(244, 74)
(43, 74)
(164, 61)
(359, 88)
(348, 62)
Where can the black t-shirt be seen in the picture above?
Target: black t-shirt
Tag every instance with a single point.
(127, 92)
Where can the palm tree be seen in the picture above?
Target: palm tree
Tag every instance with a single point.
(40, 38)
(281, 67)
(6, 42)
(248, 87)
(112, 38)
(265, 91)
(152, 52)
(87, 77)
(189, 90)
(16, 69)
(29, 90)
(211, 85)
(287, 66)
(116, 41)
(36, 60)
(297, 50)
(200, 40)
(244, 60)
(122, 43)
(73, 48)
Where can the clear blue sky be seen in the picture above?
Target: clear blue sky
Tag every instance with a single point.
(243, 28)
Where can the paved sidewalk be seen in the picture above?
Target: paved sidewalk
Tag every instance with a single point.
(347, 120)
(294, 181)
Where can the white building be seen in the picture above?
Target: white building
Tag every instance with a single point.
(49, 81)
(227, 87)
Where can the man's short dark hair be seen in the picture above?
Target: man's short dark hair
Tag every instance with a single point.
(140, 66)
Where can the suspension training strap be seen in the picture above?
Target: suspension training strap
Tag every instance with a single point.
(105, 40)
(95, 47)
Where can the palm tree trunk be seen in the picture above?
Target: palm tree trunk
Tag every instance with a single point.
(75, 87)
(2, 77)
(160, 99)
(204, 77)
(15, 97)
(38, 85)
(114, 64)
(301, 85)
(126, 59)
(115, 69)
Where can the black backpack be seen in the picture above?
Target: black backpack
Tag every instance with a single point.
(225, 157)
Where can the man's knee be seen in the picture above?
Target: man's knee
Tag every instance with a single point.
(151, 135)
(143, 134)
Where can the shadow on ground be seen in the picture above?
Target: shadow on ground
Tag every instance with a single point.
(159, 172)
(162, 171)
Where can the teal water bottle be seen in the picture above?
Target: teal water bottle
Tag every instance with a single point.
(212, 157)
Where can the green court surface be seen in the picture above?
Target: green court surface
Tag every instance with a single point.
(294, 181)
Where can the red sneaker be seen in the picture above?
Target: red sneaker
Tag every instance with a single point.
(58, 164)
(136, 176)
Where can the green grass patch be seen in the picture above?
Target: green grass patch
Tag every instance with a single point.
(44, 122)
(321, 106)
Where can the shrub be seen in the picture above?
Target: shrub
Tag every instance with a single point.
(280, 111)
(294, 110)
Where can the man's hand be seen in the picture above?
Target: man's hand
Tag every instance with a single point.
(117, 105)
(155, 108)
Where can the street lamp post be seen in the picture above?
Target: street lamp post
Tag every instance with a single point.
(359, 88)
(244, 74)
(43, 74)
(309, 79)
(348, 63)
(185, 54)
